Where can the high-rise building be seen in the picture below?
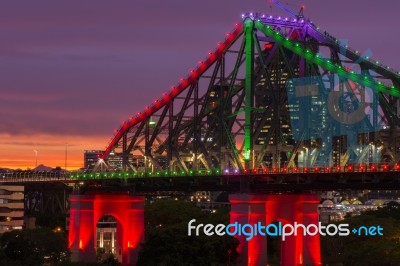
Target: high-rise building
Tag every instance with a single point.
(273, 111)
(90, 158)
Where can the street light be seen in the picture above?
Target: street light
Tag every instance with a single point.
(36, 153)
(66, 153)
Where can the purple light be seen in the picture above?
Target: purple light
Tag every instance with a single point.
(294, 20)
(226, 171)
(286, 19)
(236, 171)
(279, 18)
(251, 14)
(270, 17)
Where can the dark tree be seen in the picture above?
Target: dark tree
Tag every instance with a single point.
(167, 241)
(367, 250)
(33, 247)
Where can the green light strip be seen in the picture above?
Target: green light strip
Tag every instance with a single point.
(145, 174)
(248, 132)
(325, 63)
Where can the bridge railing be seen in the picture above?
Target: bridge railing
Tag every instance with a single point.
(371, 167)
(22, 176)
(49, 176)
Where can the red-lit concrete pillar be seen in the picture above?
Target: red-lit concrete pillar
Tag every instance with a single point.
(281, 208)
(311, 244)
(246, 208)
(81, 234)
(301, 209)
(134, 232)
(86, 211)
(287, 209)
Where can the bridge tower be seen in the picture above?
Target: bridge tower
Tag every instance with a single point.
(286, 209)
(85, 213)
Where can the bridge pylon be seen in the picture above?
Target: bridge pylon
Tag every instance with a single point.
(257, 209)
(85, 213)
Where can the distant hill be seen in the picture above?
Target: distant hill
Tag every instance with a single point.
(42, 168)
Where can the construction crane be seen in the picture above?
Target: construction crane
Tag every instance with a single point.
(300, 15)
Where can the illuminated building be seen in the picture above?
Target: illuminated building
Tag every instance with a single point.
(90, 158)
(11, 208)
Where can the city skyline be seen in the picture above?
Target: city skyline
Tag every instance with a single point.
(72, 72)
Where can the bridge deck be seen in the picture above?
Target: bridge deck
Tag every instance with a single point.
(253, 180)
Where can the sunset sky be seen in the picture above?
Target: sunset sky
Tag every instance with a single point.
(72, 71)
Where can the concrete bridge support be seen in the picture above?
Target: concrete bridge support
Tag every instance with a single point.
(286, 209)
(86, 211)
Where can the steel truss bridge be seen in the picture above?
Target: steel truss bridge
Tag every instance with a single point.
(278, 107)
(234, 112)
(234, 118)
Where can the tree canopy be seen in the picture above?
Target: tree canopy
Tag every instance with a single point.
(367, 250)
(33, 247)
(167, 241)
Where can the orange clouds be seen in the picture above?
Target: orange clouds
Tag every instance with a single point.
(17, 151)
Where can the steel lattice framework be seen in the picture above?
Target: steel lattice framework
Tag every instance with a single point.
(232, 111)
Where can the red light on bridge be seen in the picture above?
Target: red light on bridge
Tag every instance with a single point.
(285, 170)
(265, 170)
(246, 171)
(350, 168)
(268, 46)
(254, 171)
(275, 170)
(193, 75)
(305, 169)
(296, 170)
(327, 169)
(385, 167)
(397, 166)
(316, 170)
(373, 167)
